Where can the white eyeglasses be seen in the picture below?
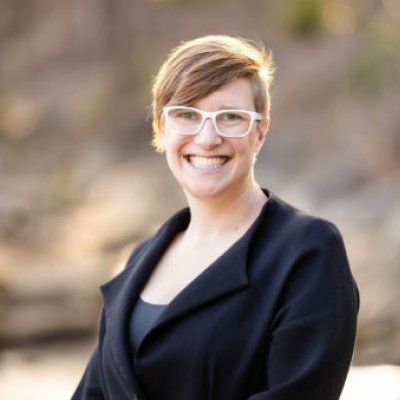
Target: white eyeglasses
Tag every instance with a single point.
(228, 123)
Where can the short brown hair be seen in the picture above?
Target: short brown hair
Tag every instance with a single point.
(200, 66)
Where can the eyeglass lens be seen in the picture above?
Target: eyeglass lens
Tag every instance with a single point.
(229, 123)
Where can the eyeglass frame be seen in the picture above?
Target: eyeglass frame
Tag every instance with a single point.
(212, 115)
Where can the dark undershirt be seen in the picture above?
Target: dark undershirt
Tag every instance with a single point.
(144, 315)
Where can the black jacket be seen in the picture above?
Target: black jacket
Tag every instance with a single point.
(273, 318)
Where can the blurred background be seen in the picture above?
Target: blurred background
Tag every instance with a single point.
(80, 183)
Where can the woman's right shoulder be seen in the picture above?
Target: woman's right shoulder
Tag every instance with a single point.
(165, 232)
(136, 253)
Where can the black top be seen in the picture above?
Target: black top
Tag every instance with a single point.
(273, 318)
(144, 315)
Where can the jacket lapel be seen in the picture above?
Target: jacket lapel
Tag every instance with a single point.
(120, 294)
(225, 276)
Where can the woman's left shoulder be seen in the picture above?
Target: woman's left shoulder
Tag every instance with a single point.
(303, 227)
(318, 230)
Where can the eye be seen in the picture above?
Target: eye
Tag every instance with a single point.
(231, 116)
(186, 115)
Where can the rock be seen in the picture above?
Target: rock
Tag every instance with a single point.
(53, 290)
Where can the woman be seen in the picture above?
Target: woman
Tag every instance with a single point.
(240, 295)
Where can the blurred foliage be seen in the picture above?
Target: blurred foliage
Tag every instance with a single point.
(376, 61)
(139, 73)
(338, 16)
(165, 1)
(392, 7)
(303, 17)
(307, 18)
(61, 189)
(19, 116)
(94, 103)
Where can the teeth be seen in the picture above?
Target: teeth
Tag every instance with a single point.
(207, 162)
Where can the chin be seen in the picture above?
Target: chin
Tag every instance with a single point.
(202, 192)
(207, 191)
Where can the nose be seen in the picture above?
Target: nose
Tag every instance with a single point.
(208, 137)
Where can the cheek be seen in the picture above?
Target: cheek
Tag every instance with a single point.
(168, 141)
(247, 148)
(173, 145)
(256, 142)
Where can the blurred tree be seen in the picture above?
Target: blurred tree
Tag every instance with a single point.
(376, 61)
(303, 17)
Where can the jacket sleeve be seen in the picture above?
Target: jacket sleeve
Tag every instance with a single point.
(89, 387)
(314, 330)
(92, 384)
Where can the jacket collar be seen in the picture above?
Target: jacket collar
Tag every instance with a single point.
(120, 294)
(225, 276)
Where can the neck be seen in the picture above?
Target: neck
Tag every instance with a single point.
(224, 216)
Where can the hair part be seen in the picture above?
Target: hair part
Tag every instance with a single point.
(196, 68)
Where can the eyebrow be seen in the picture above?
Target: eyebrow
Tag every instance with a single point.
(224, 107)
(231, 108)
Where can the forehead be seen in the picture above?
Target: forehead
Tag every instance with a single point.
(235, 94)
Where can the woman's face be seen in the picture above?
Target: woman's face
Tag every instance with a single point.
(207, 165)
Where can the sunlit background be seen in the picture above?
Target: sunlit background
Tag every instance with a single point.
(80, 183)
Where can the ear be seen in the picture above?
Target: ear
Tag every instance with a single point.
(263, 129)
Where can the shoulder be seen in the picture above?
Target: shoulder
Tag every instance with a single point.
(290, 226)
(167, 230)
(136, 252)
(307, 256)
(288, 240)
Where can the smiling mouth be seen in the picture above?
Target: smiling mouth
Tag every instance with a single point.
(206, 162)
